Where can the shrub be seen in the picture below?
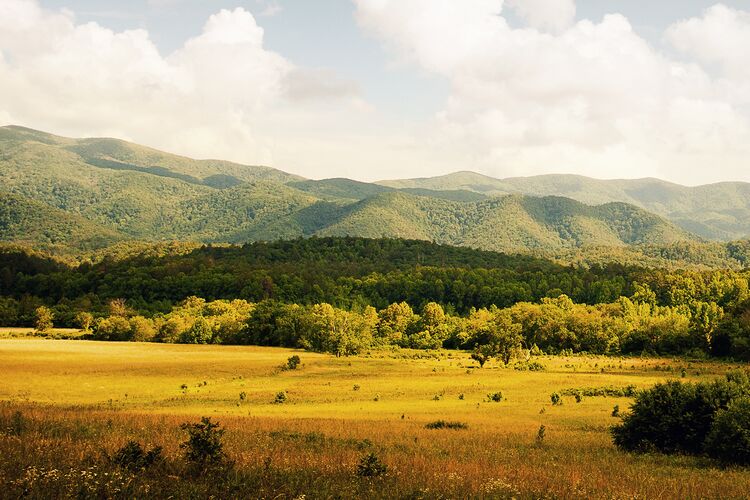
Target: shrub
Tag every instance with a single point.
(616, 411)
(203, 449)
(729, 438)
(13, 426)
(540, 435)
(605, 391)
(280, 398)
(495, 397)
(444, 424)
(676, 417)
(293, 362)
(133, 457)
(556, 399)
(370, 466)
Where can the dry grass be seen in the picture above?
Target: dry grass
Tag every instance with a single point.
(83, 400)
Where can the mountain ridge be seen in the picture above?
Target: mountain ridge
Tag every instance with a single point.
(128, 191)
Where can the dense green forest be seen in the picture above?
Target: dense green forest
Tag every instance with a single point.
(347, 294)
(73, 195)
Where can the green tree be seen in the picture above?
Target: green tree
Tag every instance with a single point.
(85, 320)
(43, 319)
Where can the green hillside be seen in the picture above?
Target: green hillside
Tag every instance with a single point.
(716, 211)
(118, 190)
(29, 222)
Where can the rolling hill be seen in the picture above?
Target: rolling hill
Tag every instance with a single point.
(90, 192)
(715, 211)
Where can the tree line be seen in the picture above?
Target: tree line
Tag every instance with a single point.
(377, 292)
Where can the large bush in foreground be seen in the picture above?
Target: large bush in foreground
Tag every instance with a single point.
(677, 417)
(729, 439)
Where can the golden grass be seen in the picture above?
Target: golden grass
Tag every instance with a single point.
(121, 391)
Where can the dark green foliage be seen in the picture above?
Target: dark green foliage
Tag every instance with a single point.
(495, 397)
(134, 457)
(315, 294)
(606, 391)
(677, 417)
(280, 398)
(371, 466)
(729, 438)
(444, 424)
(616, 411)
(293, 362)
(556, 399)
(204, 449)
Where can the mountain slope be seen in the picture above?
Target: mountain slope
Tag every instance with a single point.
(111, 189)
(716, 211)
(26, 221)
(511, 223)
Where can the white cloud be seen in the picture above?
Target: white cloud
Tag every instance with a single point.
(720, 37)
(591, 98)
(556, 95)
(223, 94)
(553, 15)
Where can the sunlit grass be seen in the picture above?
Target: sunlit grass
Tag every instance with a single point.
(121, 391)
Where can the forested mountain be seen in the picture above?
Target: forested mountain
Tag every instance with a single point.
(716, 211)
(89, 193)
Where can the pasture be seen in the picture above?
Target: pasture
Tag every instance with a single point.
(78, 402)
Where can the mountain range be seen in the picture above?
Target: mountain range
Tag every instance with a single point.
(58, 192)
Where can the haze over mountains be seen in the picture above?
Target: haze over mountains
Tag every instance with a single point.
(86, 193)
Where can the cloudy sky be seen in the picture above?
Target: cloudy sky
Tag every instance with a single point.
(375, 89)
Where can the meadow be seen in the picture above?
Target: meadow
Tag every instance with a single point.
(68, 405)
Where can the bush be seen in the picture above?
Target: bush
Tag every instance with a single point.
(280, 398)
(606, 391)
(133, 457)
(370, 466)
(540, 435)
(495, 397)
(292, 362)
(729, 438)
(676, 417)
(203, 449)
(444, 424)
(556, 399)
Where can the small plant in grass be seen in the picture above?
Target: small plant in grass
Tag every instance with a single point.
(184, 388)
(280, 398)
(556, 399)
(444, 424)
(376, 398)
(204, 450)
(293, 362)
(495, 397)
(371, 466)
(578, 396)
(243, 396)
(356, 387)
(135, 458)
(461, 396)
(616, 411)
(540, 435)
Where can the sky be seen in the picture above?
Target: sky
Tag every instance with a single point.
(382, 89)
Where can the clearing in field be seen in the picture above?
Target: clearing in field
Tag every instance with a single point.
(303, 431)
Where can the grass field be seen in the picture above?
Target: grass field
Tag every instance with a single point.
(80, 401)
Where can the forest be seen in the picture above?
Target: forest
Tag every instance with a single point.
(344, 295)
